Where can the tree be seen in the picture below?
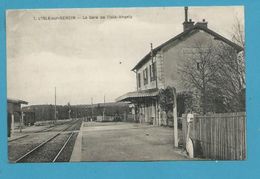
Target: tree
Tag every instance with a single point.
(185, 102)
(166, 101)
(238, 35)
(230, 78)
(198, 73)
(231, 74)
(215, 72)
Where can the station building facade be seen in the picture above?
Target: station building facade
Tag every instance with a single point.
(160, 68)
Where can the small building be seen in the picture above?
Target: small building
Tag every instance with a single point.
(160, 68)
(14, 113)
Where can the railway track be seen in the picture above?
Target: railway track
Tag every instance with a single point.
(52, 149)
(43, 130)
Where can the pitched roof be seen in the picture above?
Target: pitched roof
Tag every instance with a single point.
(197, 26)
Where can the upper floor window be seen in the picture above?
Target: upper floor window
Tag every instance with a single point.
(153, 71)
(198, 66)
(138, 80)
(145, 75)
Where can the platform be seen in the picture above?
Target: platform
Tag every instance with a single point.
(125, 142)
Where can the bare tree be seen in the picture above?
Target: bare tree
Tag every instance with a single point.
(238, 34)
(199, 71)
(216, 71)
(231, 73)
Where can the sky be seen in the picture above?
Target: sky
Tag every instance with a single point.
(88, 58)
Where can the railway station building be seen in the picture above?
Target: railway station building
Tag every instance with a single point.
(160, 68)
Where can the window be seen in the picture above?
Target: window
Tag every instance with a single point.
(152, 71)
(138, 80)
(145, 75)
(198, 66)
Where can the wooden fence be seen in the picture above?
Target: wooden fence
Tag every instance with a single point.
(219, 136)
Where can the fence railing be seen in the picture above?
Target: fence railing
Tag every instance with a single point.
(219, 136)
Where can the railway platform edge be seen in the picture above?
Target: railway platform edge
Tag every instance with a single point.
(77, 149)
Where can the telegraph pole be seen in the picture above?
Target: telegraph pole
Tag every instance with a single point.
(91, 109)
(69, 110)
(104, 107)
(55, 112)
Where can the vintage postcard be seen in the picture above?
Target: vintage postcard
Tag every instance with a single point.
(126, 84)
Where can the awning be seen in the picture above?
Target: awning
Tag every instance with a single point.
(138, 95)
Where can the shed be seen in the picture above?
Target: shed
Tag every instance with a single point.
(14, 113)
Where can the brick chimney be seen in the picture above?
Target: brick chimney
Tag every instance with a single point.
(187, 24)
(202, 24)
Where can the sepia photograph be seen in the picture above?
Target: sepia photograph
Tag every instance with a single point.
(126, 84)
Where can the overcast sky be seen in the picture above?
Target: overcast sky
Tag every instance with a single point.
(87, 58)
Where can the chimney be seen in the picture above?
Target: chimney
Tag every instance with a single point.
(202, 24)
(186, 13)
(187, 24)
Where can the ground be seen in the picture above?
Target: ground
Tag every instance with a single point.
(125, 142)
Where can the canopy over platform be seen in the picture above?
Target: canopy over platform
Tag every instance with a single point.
(137, 95)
